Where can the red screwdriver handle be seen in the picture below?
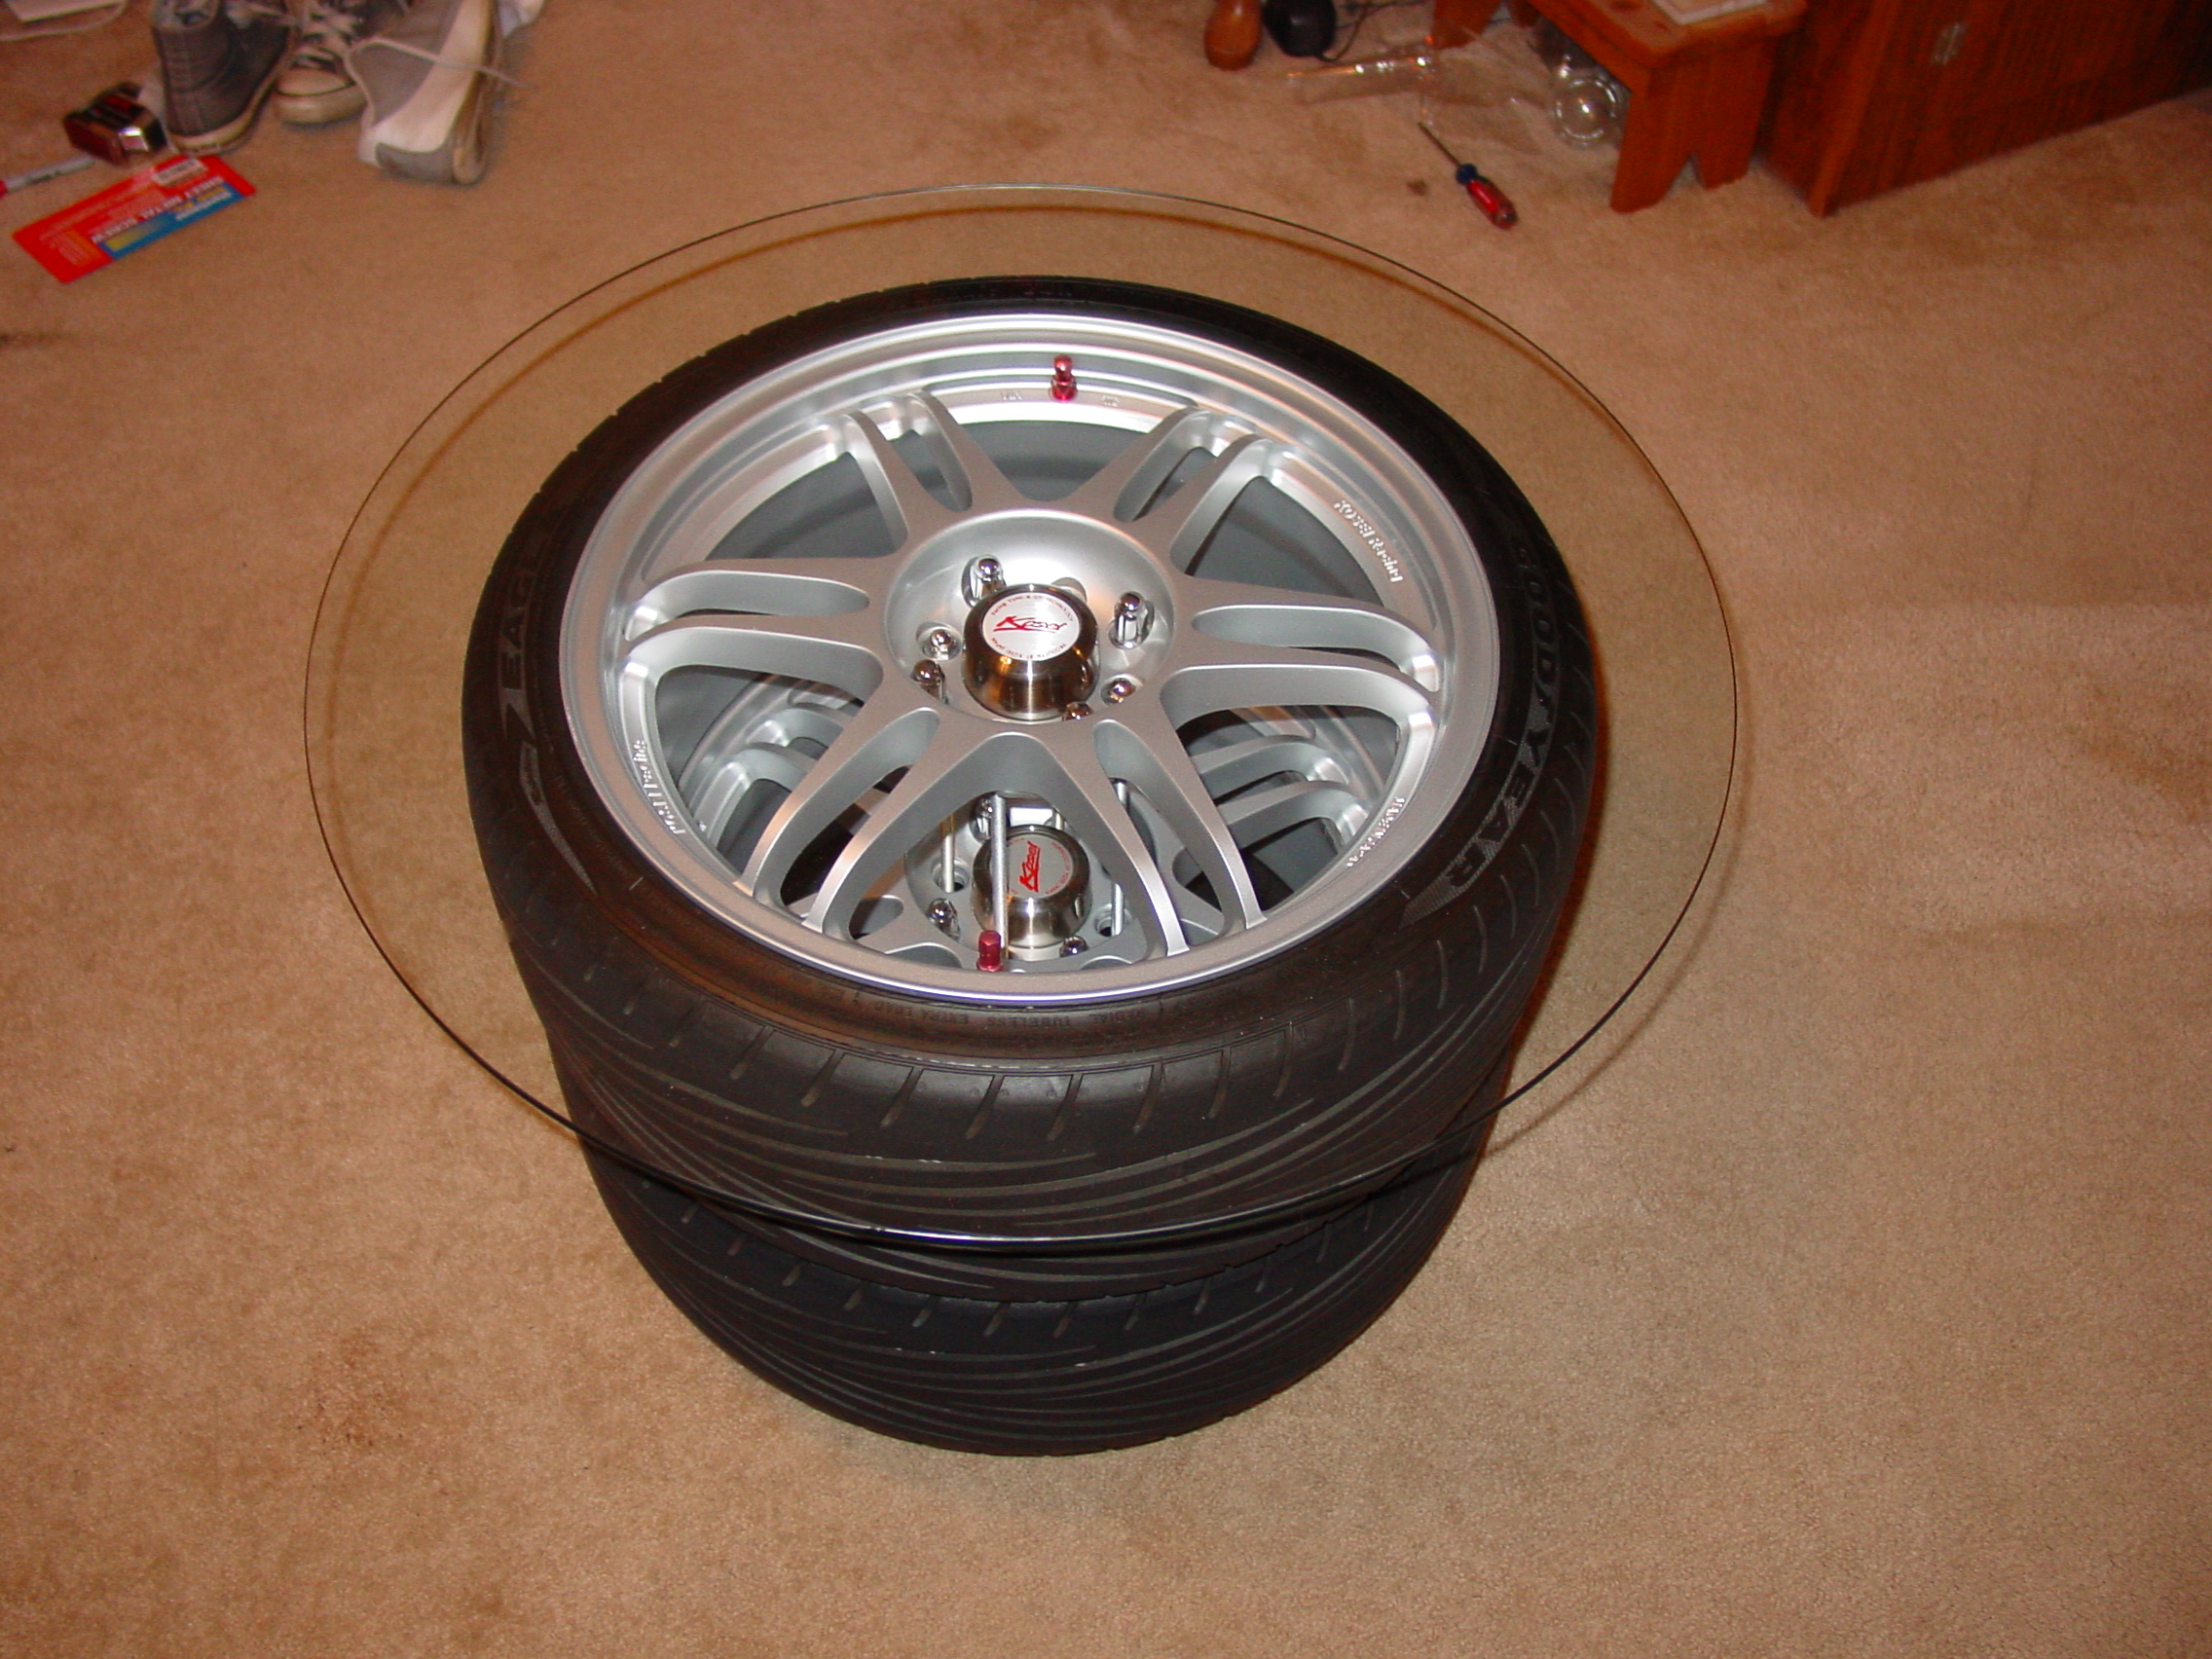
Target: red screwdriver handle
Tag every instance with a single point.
(1494, 202)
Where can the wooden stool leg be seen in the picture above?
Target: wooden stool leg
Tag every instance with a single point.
(1731, 101)
(1454, 22)
(1656, 139)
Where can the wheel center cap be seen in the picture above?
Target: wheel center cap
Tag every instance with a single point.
(1030, 625)
(1028, 652)
(1047, 890)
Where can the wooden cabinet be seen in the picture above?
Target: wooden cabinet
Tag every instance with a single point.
(1871, 94)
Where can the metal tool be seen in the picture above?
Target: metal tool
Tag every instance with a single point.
(1497, 206)
(990, 945)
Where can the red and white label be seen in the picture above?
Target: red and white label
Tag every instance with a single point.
(1030, 627)
(1042, 867)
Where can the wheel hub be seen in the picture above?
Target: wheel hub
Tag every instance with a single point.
(1029, 651)
(1047, 884)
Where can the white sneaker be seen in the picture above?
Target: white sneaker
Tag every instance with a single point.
(430, 81)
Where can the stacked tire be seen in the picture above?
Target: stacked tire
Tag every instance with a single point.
(1320, 777)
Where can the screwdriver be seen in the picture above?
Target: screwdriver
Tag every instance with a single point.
(1480, 189)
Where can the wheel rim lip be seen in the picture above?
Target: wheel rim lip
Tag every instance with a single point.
(1435, 577)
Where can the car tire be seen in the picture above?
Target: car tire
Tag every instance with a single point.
(1087, 1373)
(760, 712)
(1288, 1082)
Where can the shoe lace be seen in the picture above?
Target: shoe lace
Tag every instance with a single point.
(328, 33)
(349, 51)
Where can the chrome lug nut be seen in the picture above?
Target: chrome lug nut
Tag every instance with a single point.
(1119, 688)
(1076, 711)
(930, 677)
(946, 917)
(940, 642)
(983, 578)
(1132, 620)
(1072, 948)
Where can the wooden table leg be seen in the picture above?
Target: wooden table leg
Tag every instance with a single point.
(1656, 139)
(1454, 22)
(1706, 110)
(1733, 98)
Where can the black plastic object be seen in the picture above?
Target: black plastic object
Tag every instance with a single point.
(1301, 28)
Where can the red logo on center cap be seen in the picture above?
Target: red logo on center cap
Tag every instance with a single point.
(1031, 865)
(1030, 625)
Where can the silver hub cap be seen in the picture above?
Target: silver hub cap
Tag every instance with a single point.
(1029, 651)
(1226, 656)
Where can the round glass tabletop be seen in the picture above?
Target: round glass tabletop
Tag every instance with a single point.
(385, 675)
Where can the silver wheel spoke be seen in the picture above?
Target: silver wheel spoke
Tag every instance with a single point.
(974, 479)
(1142, 747)
(829, 651)
(1213, 677)
(885, 735)
(1126, 485)
(900, 494)
(951, 770)
(977, 483)
(821, 587)
(1272, 617)
(1176, 529)
(1100, 820)
(956, 770)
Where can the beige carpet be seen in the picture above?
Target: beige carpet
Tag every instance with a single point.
(1859, 1307)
